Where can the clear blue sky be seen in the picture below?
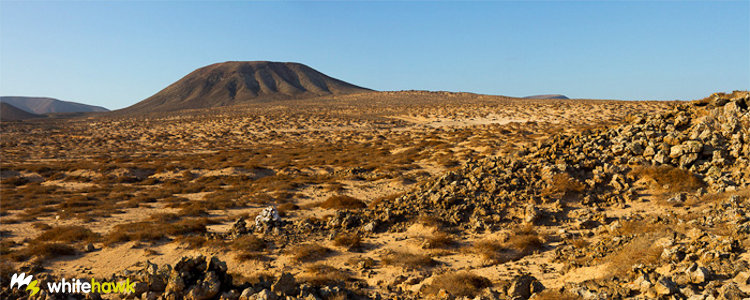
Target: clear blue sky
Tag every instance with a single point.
(117, 53)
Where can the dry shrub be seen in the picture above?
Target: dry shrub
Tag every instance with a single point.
(7, 220)
(491, 250)
(339, 296)
(163, 217)
(342, 202)
(637, 227)
(7, 245)
(246, 255)
(334, 187)
(668, 178)
(278, 183)
(200, 241)
(285, 208)
(448, 162)
(308, 252)
(385, 199)
(725, 229)
(248, 243)
(580, 243)
(361, 262)
(152, 231)
(524, 241)
(640, 250)
(430, 221)
(150, 181)
(550, 294)
(150, 252)
(15, 181)
(744, 194)
(70, 234)
(201, 208)
(252, 279)
(122, 233)
(43, 250)
(461, 284)
(288, 207)
(41, 226)
(438, 240)
(137, 201)
(174, 201)
(408, 260)
(194, 242)
(5, 270)
(564, 184)
(50, 250)
(350, 241)
(324, 275)
(79, 201)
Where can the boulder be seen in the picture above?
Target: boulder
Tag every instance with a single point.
(524, 286)
(665, 286)
(268, 218)
(264, 294)
(285, 285)
(698, 275)
(531, 214)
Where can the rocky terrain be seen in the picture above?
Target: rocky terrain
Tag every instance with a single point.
(389, 195)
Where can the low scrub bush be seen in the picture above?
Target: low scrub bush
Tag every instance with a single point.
(308, 252)
(550, 294)
(69, 233)
(461, 284)
(43, 251)
(564, 185)
(350, 241)
(342, 202)
(324, 275)
(522, 242)
(438, 240)
(641, 250)
(152, 231)
(668, 178)
(408, 260)
(385, 199)
(285, 208)
(248, 243)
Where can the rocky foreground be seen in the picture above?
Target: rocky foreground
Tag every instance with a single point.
(655, 208)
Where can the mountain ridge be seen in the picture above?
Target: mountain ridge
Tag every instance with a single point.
(547, 96)
(46, 105)
(9, 112)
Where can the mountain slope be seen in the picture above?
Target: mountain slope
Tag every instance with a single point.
(235, 82)
(11, 113)
(45, 105)
(549, 96)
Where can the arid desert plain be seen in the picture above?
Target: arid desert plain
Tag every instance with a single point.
(385, 195)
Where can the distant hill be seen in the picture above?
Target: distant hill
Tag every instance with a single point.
(11, 113)
(44, 105)
(550, 96)
(235, 82)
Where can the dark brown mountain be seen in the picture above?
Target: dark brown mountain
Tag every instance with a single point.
(46, 105)
(235, 82)
(11, 113)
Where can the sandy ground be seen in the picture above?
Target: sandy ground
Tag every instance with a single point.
(400, 145)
